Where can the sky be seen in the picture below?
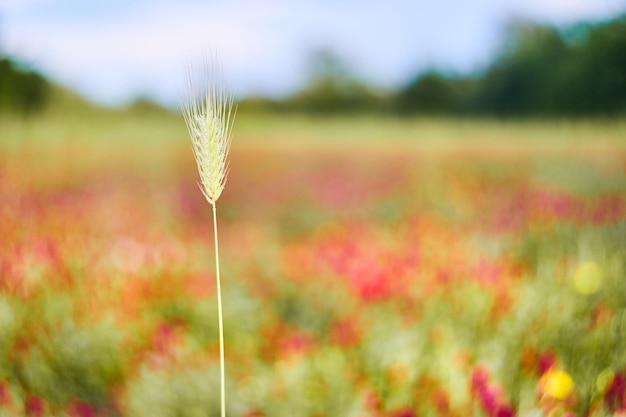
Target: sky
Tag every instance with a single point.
(112, 51)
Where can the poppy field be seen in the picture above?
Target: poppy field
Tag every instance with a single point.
(369, 269)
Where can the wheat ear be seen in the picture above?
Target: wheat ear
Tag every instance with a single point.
(209, 114)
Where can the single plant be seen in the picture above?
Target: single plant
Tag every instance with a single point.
(209, 114)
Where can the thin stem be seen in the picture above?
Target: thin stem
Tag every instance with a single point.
(219, 314)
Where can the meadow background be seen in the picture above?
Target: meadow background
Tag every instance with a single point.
(454, 247)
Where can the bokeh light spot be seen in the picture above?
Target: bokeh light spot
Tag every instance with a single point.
(588, 278)
(557, 384)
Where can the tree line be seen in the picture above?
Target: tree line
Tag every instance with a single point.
(22, 91)
(541, 71)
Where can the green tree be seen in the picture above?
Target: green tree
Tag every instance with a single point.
(21, 91)
(525, 80)
(435, 94)
(596, 77)
(334, 89)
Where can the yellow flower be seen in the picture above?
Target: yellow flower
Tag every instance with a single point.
(556, 384)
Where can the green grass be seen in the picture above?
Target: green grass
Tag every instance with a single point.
(118, 127)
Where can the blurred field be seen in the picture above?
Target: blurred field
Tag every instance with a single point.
(371, 267)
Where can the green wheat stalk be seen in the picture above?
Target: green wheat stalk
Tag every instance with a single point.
(209, 114)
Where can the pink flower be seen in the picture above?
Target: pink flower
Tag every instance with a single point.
(555, 203)
(479, 378)
(164, 342)
(490, 395)
(490, 398)
(487, 271)
(164, 337)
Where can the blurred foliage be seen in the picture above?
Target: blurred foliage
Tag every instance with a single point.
(435, 94)
(25, 92)
(144, 106)
(546, 72)
(334, 89)
(21, 91)
(541, 71)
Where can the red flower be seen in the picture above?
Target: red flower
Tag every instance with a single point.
(614, 395)
(296, 343)
(441, 399)
(373, 402)
(402, 412)
(545, 361)
(33, 406)
(253, 412)
(5, 394)
(505, 411)
(344, 333)
(81, 409)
